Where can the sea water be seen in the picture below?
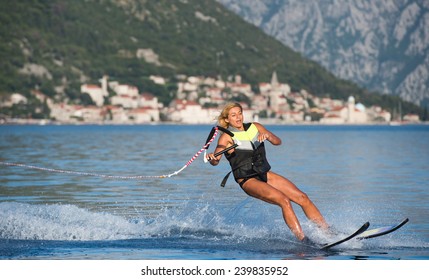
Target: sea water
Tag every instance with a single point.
(353, 174)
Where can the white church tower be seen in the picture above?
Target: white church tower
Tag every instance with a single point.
(351, 109)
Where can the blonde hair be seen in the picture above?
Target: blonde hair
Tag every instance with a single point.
(224, 114)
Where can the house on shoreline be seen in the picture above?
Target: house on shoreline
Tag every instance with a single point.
(200, 100)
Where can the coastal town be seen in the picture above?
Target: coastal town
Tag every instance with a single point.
(198, 100)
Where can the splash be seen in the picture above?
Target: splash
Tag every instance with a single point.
(61, 222)
(203, 222)
(69, 222)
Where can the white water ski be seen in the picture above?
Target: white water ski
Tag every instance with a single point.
(364, 233)
(361, 230)
(381, 231)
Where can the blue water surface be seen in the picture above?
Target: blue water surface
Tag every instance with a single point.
(353, 174)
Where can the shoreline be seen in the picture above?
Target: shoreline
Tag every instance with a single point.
(271, 122)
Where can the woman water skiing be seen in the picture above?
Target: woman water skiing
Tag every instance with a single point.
(252, 172)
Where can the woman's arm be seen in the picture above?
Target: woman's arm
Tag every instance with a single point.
(224, 142)
(265, 134)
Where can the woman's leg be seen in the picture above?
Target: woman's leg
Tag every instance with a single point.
(267, 193)
(296, 195)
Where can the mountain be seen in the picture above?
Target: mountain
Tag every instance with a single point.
(56, 45)
(381, 45)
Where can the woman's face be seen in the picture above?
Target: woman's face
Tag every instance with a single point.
(235, 117)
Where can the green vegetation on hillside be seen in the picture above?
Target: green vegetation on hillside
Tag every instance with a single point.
(66, 43)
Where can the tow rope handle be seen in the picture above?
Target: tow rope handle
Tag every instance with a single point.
(236, 142)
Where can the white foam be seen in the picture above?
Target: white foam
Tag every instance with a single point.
(69, 222)
(192, 220)
(61, 222)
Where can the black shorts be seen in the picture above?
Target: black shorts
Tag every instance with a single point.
(261, 177)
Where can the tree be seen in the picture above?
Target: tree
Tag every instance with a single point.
(86, 99)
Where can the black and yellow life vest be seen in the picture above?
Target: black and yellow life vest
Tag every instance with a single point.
(249, 158)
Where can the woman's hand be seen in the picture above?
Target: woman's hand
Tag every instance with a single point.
(264, 136)
(212, 159)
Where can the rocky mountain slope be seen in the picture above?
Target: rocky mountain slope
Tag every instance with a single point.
(381, 45)
(55, 46)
